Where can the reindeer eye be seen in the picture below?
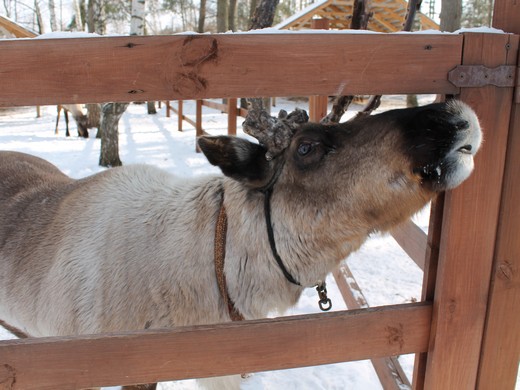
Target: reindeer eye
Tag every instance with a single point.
(305, 148)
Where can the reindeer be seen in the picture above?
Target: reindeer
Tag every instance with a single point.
(79, 116)
(133, 247)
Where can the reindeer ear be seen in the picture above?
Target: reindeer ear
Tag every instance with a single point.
(238, 158)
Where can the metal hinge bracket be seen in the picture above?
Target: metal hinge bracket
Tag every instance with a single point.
(468, 76)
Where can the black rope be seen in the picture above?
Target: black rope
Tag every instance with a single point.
(270, 234)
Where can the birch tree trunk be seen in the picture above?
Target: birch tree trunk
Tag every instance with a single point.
(52, 15)
(96, 16)
(137, 20)
(112, 112)
(78, 17)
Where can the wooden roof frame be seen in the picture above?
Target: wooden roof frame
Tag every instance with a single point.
(388, 16)
(14, 28)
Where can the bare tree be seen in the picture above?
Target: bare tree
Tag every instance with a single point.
(451, 11)
(232, 13)
(7, 8)
(222, 15)
(202, 16)
(52, 15)
(96, 18)
(360, 19)
(263, 16)
(77, 15)
(39, 19)
(112, 112)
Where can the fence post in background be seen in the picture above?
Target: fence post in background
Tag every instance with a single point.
(232, 116)
(180, 115)
(198, 123)
(168, 108)
(318, 104)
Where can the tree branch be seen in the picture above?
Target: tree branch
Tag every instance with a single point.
(360, 20)
(340, 104)
(413, 7)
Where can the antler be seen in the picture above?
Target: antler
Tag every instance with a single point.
(273, 133)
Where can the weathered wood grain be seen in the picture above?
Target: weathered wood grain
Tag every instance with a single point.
(469, 230)
(89, 70)
(150, 356)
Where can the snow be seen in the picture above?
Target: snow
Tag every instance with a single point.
(384, 272)
(272, 30)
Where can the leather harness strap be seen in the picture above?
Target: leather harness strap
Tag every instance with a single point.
(220, 255)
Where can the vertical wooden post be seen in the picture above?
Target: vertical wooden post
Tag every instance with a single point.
(232, 116)
(180, 115)
(429, 278)
(168, 108)
(318, 104)
(501, 346)
(198, 123)
(469, 230)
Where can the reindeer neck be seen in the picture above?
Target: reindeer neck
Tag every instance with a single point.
(252, 271)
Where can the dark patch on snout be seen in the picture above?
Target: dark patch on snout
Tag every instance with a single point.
(430, 133)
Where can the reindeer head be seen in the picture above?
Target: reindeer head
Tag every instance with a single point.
(375, 171)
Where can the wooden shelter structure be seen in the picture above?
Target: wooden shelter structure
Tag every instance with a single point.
(387, 16)
(465, 330)
(15, 29)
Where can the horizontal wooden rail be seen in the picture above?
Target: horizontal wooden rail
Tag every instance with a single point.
(216, 106)
(89, 70)
(201, 351)
(413, 240)
(388, 369)
(183, 117)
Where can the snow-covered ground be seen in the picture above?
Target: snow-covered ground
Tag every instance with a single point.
(385, 273)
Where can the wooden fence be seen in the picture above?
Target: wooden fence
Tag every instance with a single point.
(465, 331)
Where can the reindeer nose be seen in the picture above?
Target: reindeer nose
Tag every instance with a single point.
(466, 149)
(462, 125)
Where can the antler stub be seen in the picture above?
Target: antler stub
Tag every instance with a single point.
(273, 133)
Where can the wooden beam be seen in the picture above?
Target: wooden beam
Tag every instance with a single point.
(15, 29)
(214, 105)
(75, 70)
(201, 351)
(388, 369)
(506, 16)
(429, 277)
(469, 230)
(501, 348)
(413, 240)
(232, 111)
